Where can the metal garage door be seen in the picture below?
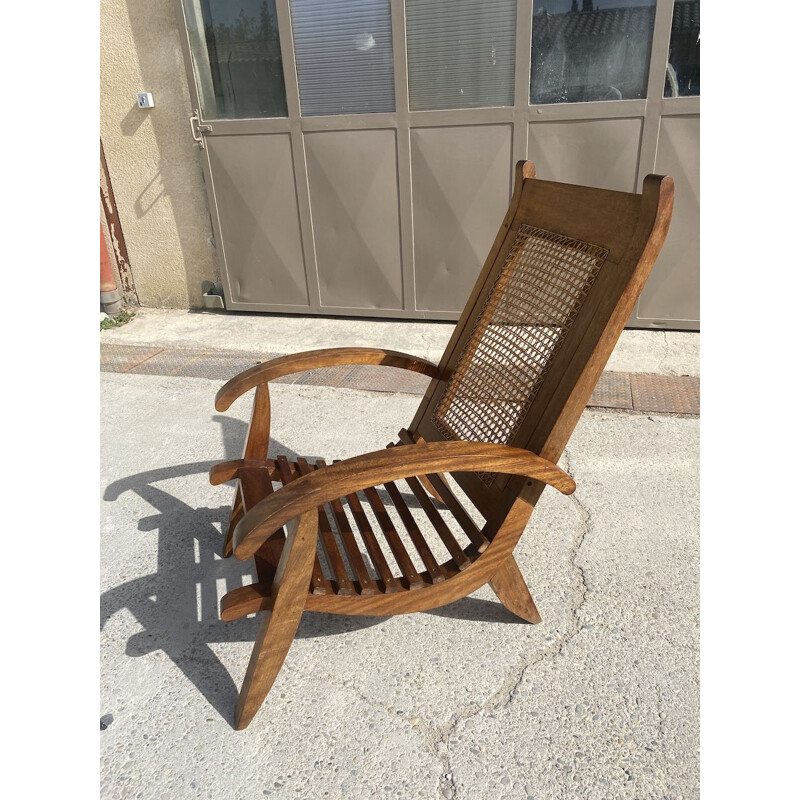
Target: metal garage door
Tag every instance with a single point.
(359, 154)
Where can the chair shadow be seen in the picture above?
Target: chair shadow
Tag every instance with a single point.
(477, 610)
(177, 605)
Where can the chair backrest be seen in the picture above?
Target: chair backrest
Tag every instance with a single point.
(551, 301)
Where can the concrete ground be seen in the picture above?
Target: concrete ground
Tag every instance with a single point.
(600, 700)
(661, 352)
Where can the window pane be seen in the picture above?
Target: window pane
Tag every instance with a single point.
(460, 53)
(237, 58)
(344, 56)
(683, 68)
(581, 53)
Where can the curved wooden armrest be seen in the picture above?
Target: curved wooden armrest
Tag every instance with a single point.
(312, 359)
(372, 469)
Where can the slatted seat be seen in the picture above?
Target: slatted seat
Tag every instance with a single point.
(359, 538)
(437, 514)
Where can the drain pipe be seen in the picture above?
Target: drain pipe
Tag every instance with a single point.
(110, 296)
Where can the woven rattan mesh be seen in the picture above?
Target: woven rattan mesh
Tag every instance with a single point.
(537, 295)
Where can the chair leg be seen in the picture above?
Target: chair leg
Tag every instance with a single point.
(255, 447)
(278, 627)
(237, 512)
(512, 591)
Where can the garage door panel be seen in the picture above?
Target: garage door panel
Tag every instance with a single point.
(673, 290)
(461, 186)
(352, 178)
(256, 199)
(603, 153)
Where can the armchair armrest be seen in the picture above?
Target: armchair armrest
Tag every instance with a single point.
(313, 359)
(371, 469)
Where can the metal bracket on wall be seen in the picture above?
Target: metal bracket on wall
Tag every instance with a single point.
(198, 128)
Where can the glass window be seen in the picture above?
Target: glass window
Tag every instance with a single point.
(683, 67)
(460, 53)
(236, 55)
(582, 51)
(343, 51)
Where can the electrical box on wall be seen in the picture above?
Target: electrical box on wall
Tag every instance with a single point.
(145, 100)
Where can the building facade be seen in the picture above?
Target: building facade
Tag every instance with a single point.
(356, 157)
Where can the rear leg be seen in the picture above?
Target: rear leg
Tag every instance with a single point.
(512, 591)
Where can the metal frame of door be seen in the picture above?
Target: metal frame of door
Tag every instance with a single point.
(522, 118)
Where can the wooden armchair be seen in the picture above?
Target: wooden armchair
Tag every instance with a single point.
(557, 288)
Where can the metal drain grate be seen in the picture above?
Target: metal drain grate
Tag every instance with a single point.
(667, 394)
(613, 390)
(122, 358)
(177, 361)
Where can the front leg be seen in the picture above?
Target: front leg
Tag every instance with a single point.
(256, 446)
(278, 627)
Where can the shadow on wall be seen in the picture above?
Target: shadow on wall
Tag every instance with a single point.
(150, 196)
(133, 120)
(156, 36)
(177, 606)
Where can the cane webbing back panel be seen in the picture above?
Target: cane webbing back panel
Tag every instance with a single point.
(535, 298)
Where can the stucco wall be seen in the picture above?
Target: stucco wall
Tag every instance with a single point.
(154, 166)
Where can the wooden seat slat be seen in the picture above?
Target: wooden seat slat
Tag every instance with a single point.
(394, 541)
(414, 533)
(344, 585)
(390, 583)
(462, 516)
(439, 524)
(367, 585)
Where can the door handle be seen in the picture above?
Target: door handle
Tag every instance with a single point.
(198, 128)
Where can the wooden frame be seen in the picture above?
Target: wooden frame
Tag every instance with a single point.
(609, 240)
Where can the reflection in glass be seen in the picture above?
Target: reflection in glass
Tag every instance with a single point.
(683, 67)
(236, 55)
(460, 53)
(584, 50)
(344, 56)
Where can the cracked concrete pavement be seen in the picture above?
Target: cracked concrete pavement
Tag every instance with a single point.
(600, 700)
